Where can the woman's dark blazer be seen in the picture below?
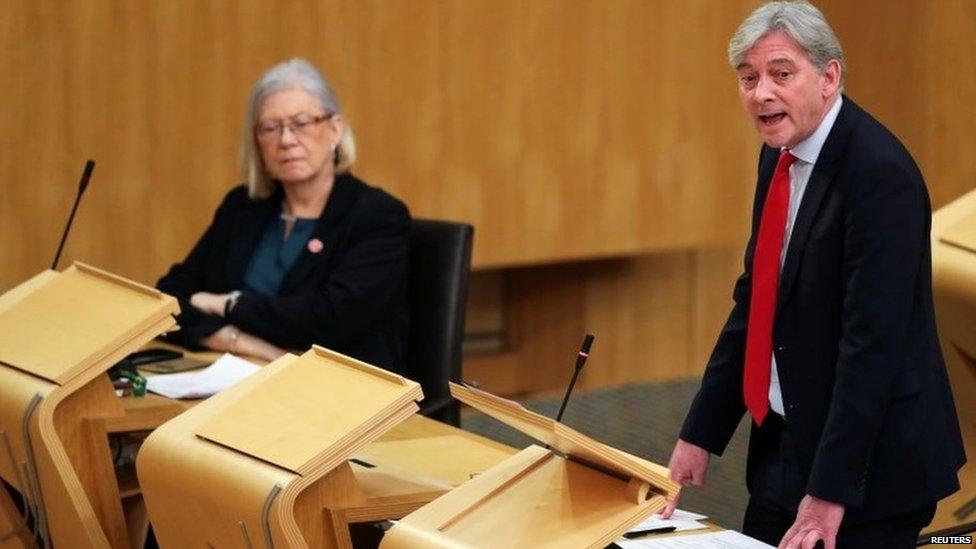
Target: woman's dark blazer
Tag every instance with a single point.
(349, 297)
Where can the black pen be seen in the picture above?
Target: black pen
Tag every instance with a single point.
(641, 533)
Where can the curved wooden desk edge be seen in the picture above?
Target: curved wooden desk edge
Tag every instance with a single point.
(954, 292)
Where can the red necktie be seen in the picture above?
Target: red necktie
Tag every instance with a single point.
(765, 281)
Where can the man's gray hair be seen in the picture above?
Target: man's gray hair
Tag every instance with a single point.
(801, 21)
(291, 74)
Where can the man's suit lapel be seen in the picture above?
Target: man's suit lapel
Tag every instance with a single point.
(821, 179)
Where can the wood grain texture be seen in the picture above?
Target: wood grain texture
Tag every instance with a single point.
(74, 320)
(59, 455)
(535, 498)
(184, 476)
(559, 129)
(912, 66)
(569, 442)
(655, 317)
(294, 421)
(954, 293)
(86, 445)
(414, 456)
(16, 534)
(563, 130)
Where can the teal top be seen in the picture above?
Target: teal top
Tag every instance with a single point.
(275, 254)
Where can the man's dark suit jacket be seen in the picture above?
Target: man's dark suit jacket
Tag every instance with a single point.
(350, 297)
(865, 390)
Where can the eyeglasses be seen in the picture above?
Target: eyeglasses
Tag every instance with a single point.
(301, 125)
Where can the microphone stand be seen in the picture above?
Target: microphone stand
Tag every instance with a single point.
(581, 357)
(82, 185)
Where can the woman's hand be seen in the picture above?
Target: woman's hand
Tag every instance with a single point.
(211, 304)
(232, 340)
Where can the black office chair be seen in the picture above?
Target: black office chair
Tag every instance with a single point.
(440, 262)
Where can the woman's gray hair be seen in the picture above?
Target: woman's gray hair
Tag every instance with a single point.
(801, 21)
(294, 73)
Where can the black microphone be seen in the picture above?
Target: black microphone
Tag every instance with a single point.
(82, 185)
(581, 357)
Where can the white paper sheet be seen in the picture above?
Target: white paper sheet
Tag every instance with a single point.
(727, 539)
(680, 520)
(223, 373)
(681, 514)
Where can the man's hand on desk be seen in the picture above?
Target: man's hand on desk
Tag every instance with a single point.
(816, 519)
(688, 466)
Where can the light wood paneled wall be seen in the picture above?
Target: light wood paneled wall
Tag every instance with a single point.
(561, 128)
(599, 141)
(655, 317)
(913, 66)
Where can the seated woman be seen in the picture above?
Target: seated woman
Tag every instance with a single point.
(304, 253)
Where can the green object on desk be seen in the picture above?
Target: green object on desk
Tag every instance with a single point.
(136, 380)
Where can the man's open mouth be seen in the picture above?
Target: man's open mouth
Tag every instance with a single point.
(770, 119)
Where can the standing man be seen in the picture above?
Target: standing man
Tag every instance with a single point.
(831, 344)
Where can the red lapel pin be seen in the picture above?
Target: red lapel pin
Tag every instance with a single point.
(315, 245)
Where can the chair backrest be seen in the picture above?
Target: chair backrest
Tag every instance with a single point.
(440, 263)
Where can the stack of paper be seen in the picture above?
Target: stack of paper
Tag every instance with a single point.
(680, 521)
(726, 539)
(223, 373)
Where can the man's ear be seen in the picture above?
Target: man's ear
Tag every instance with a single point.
(831, 78)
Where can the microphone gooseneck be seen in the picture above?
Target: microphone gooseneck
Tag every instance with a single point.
(581, 357)
(82, 185)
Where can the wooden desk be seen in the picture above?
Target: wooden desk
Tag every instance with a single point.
(426, 447)
(408, 466)
(61, 332)
(416, 447)
(145, 413)
(148, 412)
(954, 291)
(279, 460)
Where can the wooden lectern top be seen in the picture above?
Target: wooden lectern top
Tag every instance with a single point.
(263, 458)
(954, 293)
(539, 498)
(59, 333)
(570, 442)
(962, 233)
(323, 404)
(68, 322)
